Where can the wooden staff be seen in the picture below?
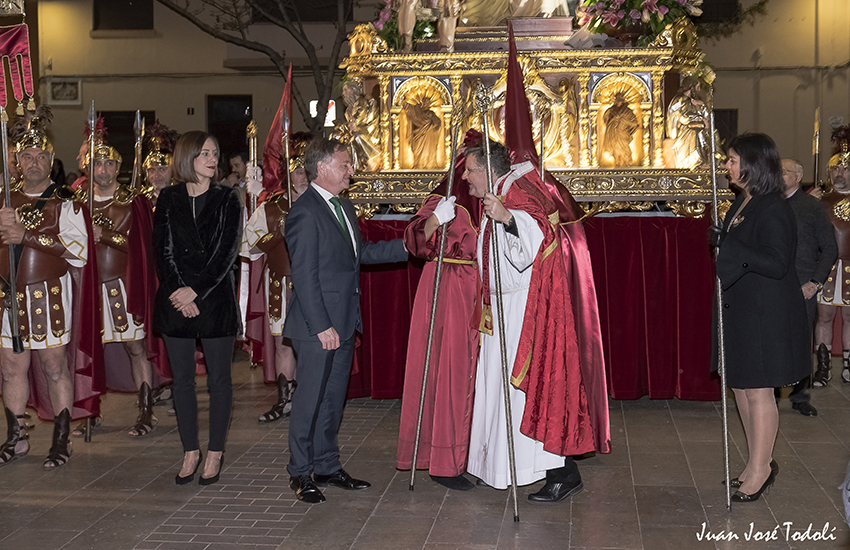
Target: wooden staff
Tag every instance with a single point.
(483, 104)
(457, 114)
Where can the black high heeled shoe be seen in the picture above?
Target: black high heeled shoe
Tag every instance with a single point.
(735, 482)
(744, 497)
(187, 479)
(214, 479)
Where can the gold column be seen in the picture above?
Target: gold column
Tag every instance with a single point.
(594, 138)
(646, 155)
(384, 83)
(657, 118)
(584, 118)
(396, 141)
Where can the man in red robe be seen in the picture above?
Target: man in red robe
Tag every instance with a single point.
(444, 435)
(550, 413)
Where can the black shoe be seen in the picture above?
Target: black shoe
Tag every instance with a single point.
(214, 479)
(187, 479)
(735, 482)
(341, 479)
(556, 492)
(60, 451)
(306, 490)
(456, 483)
(744, 497)
(804, 408)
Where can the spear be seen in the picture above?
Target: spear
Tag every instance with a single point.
(139, 131)
(92, 122)
(14, 327)
(816, 144)
(483, 104)
(457, 114)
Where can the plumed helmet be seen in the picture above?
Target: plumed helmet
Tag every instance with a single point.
(30, 131)
(159, 140)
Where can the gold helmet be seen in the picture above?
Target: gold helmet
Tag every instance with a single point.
(159, 140)
(30, 131)
(297, 146)
(102, 150)
(841, 138)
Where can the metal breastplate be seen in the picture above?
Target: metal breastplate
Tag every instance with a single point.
(35, 266)
(112, 262)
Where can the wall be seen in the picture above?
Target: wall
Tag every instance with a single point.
(777, 72)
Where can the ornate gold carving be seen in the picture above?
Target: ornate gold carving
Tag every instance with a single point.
(119, 239)
(842, 209)
(45, 240)
(30, 216)
(691, 209)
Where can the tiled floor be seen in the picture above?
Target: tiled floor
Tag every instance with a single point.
(656, 490)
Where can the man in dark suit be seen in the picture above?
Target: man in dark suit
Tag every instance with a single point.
(326, 249)
(816, 253)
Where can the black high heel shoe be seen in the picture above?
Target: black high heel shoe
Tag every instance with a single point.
(735, 482)
(214, 479)
(187, 479)
(744, 497)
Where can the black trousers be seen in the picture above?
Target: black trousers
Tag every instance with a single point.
(317, 406)
(218, 354)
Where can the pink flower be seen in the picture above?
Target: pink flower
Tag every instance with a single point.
(663, 10)
(650, 6)
(612, 17)
(634, 14)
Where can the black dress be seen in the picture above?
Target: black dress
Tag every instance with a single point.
(764, 313)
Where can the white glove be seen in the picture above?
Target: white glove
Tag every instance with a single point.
(445, 210)
(254, 180)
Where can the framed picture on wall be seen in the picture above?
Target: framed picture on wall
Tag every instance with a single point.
(64, 91)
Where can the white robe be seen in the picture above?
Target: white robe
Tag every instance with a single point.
(488, 446)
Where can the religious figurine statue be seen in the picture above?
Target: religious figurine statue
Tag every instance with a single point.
(489, 13)
(688, 145)
(360, 129)
(423, 130)
(620, 127)
(449, 11)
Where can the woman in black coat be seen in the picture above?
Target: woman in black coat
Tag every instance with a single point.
(197, 231)
(764, 315)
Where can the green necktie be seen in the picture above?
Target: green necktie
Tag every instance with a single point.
(341, 219)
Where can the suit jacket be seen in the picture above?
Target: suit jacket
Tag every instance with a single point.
(325, 271)
(764, 315)
(202, 256)
(816, 247)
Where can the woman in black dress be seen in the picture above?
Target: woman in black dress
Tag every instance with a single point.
(197, 231)
(764, 315)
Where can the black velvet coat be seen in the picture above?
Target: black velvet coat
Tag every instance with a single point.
(202, 256)
(764, 316)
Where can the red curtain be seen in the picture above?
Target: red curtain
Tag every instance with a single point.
(654, 281)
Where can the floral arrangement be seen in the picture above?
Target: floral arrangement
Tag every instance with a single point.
(646, 17)
(387, 26)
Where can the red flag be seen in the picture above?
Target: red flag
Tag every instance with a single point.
(274, 173)
(518, 135)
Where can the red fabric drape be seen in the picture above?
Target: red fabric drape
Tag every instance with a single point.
(654, 282)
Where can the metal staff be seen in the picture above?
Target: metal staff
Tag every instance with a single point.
(139, 131)
(483, 103)
(14, 327)
(816, 144)
(721, 344)
(284, 140)
(457, 113)
(542, 110)
(252, 162)
(92, 122)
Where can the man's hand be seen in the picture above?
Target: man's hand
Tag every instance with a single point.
(97, 233)
(816, 192)
(809, 290)
(182, 297)
(445, 210)
(11, 229)
(190, 310)
(329, 339)
(494, 208)
(254, 180)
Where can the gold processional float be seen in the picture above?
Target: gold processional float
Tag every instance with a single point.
(623, 129)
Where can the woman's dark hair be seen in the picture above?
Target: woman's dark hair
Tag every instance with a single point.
(500, 157)
(186, 150)
(761, 167)
(318, 151)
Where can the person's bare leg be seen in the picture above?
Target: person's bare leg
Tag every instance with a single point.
(823, 326)
(54, 363)
(142, 369)
(446, 30)
(764, 418)
(406, 22)
(16, 387)
(284, 358)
